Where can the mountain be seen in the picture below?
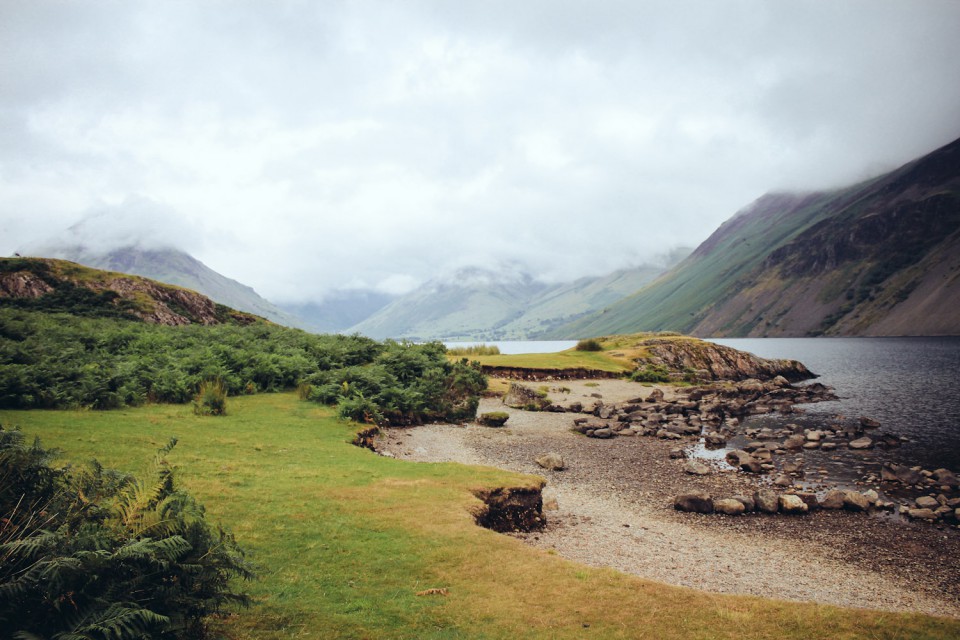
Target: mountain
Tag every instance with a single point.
(506, 303)
(46, 284)
(878, 258)
(174, 267)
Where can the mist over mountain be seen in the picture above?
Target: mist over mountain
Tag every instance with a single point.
(878, 258)
(503, 302)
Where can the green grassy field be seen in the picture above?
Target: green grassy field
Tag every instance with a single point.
(570, 359)
(345, 539)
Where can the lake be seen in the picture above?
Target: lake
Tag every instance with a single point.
(910, 385)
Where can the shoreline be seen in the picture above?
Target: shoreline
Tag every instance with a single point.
(615, 510)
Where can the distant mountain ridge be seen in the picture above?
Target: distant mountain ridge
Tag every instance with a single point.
(46, 284)
(500, 304)
(878, 258)
(176, 267)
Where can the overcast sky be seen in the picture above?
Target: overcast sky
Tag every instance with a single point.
(303, 146)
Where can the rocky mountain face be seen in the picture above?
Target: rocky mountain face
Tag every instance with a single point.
(878, 258)
(501, 304)
(59, 285)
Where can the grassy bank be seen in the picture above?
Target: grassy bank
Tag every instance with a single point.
(345, 539)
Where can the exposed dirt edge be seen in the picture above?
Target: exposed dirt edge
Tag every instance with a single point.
(511, 509)
(526, 373)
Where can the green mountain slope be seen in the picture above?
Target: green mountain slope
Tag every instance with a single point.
(878, 258)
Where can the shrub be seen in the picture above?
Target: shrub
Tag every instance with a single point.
(651, 373)
(106, 555)
(211, 400)
(589, 344)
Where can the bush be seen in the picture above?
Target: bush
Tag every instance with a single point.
(105, 555)
(589, 344)
(651, 373)
(475, 350)
(211, 400)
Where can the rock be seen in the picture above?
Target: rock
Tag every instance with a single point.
(813, 436)
(714, 439)
(697, 468)
(677, 454)
(744, 461)
(926, 502)
(605, 412)
(946, 477)
(868, 423)
(655, 396)
(792, 505)
(921, 514)
(783, 481)
(694, 502)
(728, 506)
(603, 434)
(767, 501)
(811, 445)
(888, 473)
(871, 496)
(551, 462)
(749, 504)
(780, 381)
(794, 442)
(861, 443)
(855, 501)
(575, 407)
(493, 419)
(828, 446)
(906, 475)
(521, 397)
(810, 499)
(833, 499)
(794, 466)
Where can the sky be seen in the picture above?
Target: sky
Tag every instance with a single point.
(304, 147)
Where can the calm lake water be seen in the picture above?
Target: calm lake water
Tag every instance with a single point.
(910, 385)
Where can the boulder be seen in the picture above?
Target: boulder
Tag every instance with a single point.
(792, 505)
(906, 475)
(603, 434)
(921, 514)
(871, 496)
(655, 396)
(767, 501)
(693, 502)
(714, 439)
(795, 441)
(855, 501)
(744, 461)
(946, 478)
(749, 504)
(521, 397)
(677, 454)
(868, 423)
(888, 473)
(861, 443)
(493, 419)
(551, 461)
(926, 502)
(833, 499)
(697, 468)
(810, 499)
(783, 481)
(728, 506)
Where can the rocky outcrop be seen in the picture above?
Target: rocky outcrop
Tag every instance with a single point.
(510, 509)
(709, 361)
(521, 397)
(22, 284)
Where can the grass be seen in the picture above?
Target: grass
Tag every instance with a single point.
(345, 539)
(569, 359)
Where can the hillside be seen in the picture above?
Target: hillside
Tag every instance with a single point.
(486, 304)
(878, 258)
(175, 267)
(58, 285)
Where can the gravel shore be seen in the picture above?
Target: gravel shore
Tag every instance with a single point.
(616, 510)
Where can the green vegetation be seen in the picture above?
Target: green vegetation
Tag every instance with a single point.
(474, 350)
(92, 553)
(344, 539)
(589, 344)
(570, 359)
(61, 361)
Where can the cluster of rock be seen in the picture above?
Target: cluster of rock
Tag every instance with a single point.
(769, 501)
(927, 507)
(694, 410)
